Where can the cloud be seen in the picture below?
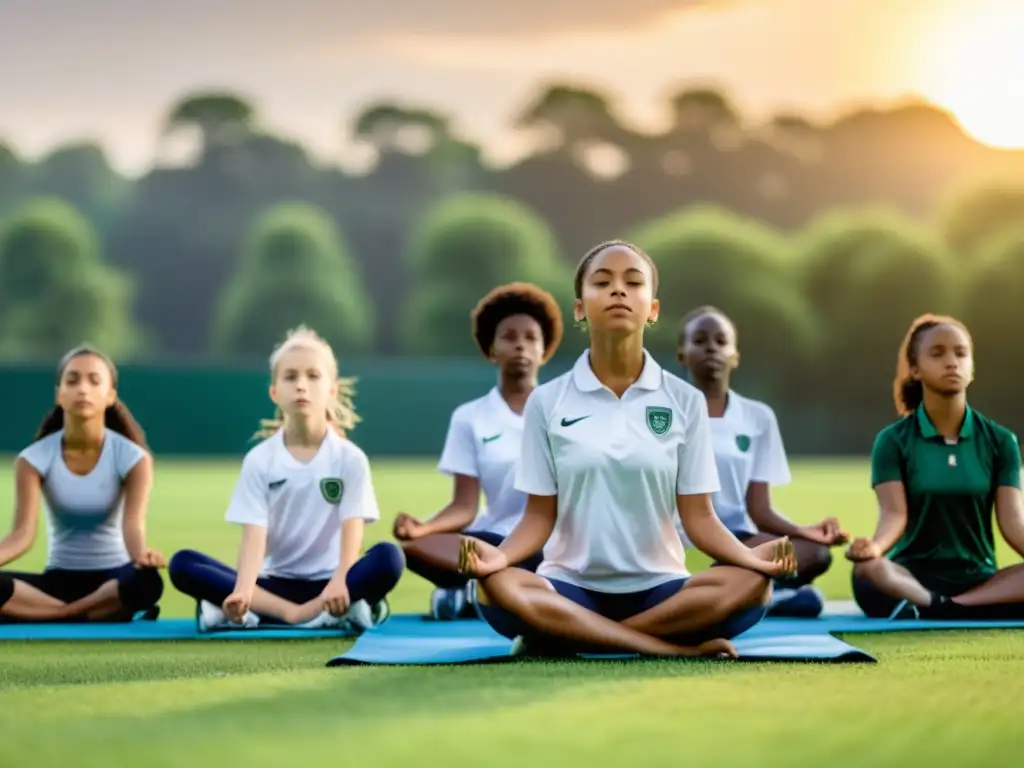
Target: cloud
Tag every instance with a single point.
(243, 23)
(527, 17)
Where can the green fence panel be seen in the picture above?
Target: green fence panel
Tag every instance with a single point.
(405, 405)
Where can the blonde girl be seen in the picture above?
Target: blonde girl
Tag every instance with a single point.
(303, 497)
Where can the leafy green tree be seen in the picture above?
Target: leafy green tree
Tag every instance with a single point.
(869, 276)
(392, 128)
(222, 118)
(979, 214)
(12, 174)
(55, 290)
(80, 174)
(573, 116)
(296, 269)
(710, 256)
(463, 248)
(994, 313)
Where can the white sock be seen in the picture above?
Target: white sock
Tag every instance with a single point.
(322, 621)
(213, 617)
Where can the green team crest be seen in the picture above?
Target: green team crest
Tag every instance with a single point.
(743, 443)
(332, 488)
(659, 419)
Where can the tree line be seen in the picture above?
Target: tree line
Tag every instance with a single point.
(821, 241)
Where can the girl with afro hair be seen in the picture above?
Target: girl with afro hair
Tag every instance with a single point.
(517, 327)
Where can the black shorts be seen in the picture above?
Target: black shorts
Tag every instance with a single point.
(878, 605)
(138, 588)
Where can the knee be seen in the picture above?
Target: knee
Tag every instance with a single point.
(817, 561)
(503, 588)
(6, 589)
(410, 551)
(868, 570)
(388, 560)
(142, 589)
(180, 566)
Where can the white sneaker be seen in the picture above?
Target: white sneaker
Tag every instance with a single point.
(781, 595)
(211, 618)
(323, 621)
(359, 616)
(447, 604)
(518, 647)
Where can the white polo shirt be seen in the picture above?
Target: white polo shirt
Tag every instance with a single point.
(748, 449)
(485, 438)
(616, 466)
(302, 505)
(85, 513)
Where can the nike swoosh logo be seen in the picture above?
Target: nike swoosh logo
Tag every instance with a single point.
(276, 484)
(570, 422)
(492, 438)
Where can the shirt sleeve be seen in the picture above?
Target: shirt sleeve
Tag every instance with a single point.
(697, 472)
(886, 460)
(770, 463)
(358, 498)
(1008, 462)
(459, 454)
(535, 470)
(126, 455)
(249, 501)
(40, 455)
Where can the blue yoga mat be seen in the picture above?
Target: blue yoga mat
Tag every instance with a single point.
(163, 629)
(417, 641)
(445, 638)
(845, 625)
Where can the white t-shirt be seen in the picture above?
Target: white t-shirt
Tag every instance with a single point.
(302, 505)
(748, 449)
(485, 438)
(84, 513)
(616, 467)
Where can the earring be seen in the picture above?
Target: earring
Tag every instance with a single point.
(651, 323)
(581, 324)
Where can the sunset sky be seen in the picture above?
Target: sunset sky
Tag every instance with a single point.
(109, 69)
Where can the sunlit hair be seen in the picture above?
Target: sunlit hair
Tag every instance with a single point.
(908, 392)
(341, 414)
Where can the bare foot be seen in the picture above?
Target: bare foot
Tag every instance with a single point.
(718, 648)
(714, 649)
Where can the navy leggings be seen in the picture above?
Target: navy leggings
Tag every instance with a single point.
(617, 607)
(440, 577)
(138, 588)
(371, 578)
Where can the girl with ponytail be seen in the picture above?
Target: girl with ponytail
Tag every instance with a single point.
(303, 498)
(91, 466)
(938, 474)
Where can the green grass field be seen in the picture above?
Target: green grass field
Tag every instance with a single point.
(937, 699)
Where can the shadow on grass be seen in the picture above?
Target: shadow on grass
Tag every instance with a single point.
(345, 698)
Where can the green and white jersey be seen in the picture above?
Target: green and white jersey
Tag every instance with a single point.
(616, 466)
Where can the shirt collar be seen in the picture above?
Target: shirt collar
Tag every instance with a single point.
(585, 380)
(929, 431)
